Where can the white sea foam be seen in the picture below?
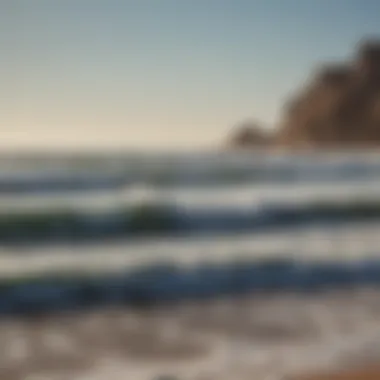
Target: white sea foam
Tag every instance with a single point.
(352, 242)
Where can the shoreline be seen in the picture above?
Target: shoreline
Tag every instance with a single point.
(275, 335)
(362, 373)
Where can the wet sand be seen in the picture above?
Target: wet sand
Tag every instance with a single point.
(372, 373)
(259, 337)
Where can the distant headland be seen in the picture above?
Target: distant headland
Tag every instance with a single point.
(339, 107)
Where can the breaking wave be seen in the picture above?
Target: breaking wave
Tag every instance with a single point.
(153, 219)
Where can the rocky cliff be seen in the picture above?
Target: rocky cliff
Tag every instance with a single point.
(339, 107)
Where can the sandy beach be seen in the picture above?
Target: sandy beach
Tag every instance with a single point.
(256, 337)
(372, 373)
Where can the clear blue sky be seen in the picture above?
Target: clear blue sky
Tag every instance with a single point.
(161, 73)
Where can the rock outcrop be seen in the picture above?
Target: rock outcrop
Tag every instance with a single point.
(339, 108)
(249, 135)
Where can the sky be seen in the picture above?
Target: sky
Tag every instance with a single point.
(161, 74)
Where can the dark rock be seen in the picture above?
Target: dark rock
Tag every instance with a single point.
(339, 108)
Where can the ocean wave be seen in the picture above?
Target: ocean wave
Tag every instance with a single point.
(207, 170)
(45, 183)
(159, 283)
(156, 219)
(230, 196)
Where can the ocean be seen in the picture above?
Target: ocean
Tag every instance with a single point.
(199, 241)
(123, 209)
